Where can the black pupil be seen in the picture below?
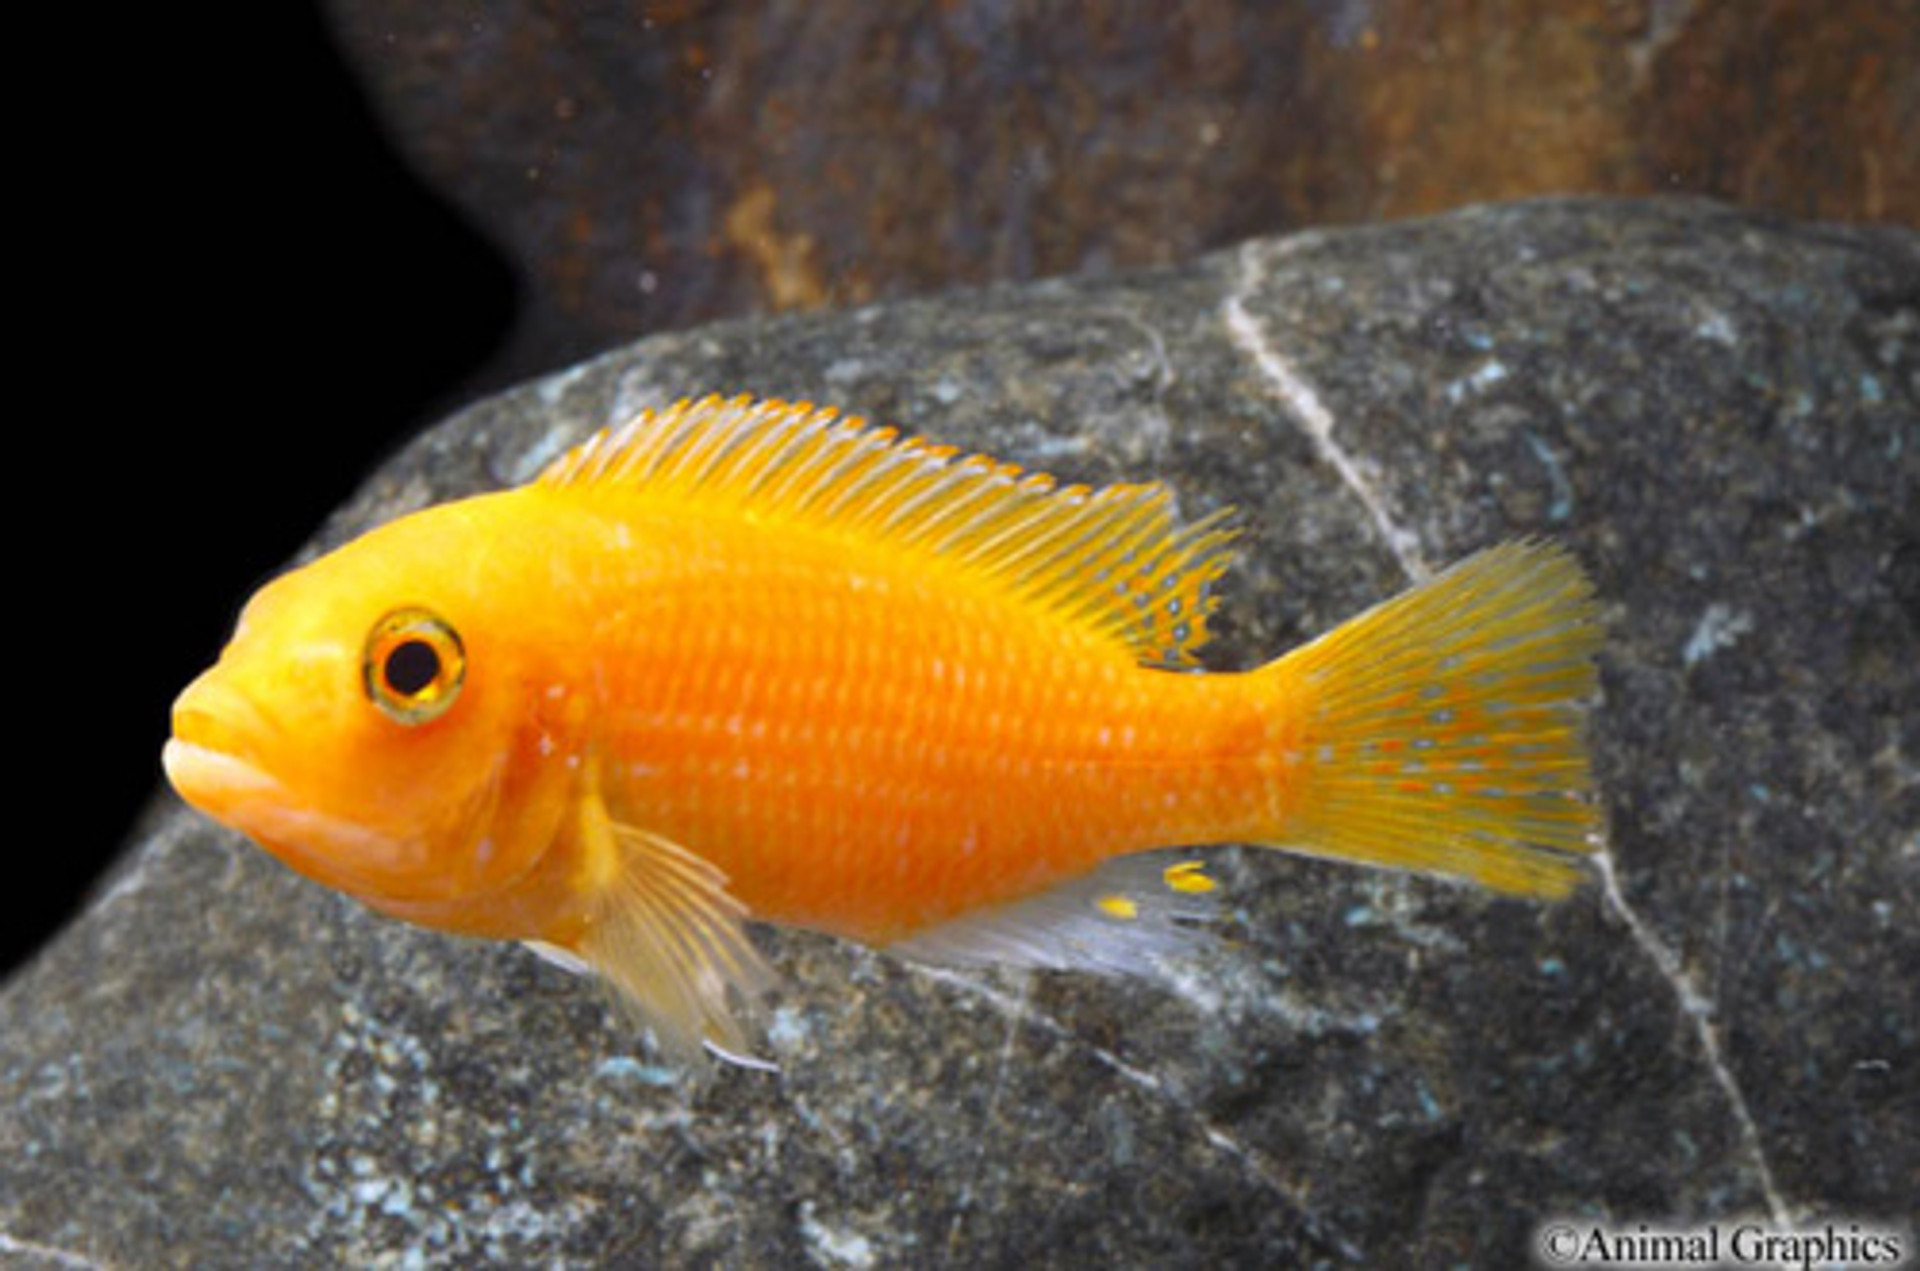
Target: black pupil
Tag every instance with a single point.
(412, 667)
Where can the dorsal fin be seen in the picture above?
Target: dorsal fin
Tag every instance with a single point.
(1111, 559)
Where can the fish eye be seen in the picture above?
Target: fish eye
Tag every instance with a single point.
(413, 665)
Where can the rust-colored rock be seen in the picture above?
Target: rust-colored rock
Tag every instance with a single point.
(658, 164)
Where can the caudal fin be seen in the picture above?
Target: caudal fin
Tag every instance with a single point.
(1440, 730)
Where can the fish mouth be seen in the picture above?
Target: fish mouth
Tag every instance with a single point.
(210, 761)
(238, 794)
(208, 758)
(213, 780)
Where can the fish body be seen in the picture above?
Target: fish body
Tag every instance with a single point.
(751, 660)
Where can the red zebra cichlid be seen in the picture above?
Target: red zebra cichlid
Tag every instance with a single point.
(747, 660)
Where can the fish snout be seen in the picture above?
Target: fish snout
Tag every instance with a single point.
(233, 761)
(212, 757)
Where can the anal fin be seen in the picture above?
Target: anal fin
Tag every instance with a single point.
(1130, 916)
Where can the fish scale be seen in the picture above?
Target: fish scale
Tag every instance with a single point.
(957, 719)
(744, 661)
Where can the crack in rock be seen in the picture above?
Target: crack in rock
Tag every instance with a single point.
(12, 1246)
(1316, 419)
(1699, 1009)
(1020, 1010)
(1250, 336)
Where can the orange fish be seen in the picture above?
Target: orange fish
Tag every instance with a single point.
(755, 661)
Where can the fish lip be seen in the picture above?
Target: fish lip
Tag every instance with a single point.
(212, 715)
(214, 779)
(245, 797)
(211, 756)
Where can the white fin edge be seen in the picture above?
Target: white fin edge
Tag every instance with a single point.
(739, 1061)
(572, 964)
(552, 954)
(671, 941)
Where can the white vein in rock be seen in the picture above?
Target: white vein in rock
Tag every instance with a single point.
(46, 1253)
(1317, 421)
(1020, 1010)
(1304, 404)
(1698, 1008)
(1015, 1013)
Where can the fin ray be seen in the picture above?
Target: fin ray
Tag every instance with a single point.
(1132, 915)
(1443, 727)
(1112, 560)
(670, 940)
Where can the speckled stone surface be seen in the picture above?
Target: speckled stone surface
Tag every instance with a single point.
(223, 1065)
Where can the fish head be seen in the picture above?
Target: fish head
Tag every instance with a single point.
(369, 723)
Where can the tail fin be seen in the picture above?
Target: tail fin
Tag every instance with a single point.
(1440, 730)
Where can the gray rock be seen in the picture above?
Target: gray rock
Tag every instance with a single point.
(223, 1065)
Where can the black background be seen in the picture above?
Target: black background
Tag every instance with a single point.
(232, 301)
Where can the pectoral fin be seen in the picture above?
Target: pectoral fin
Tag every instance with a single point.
(670, 940)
